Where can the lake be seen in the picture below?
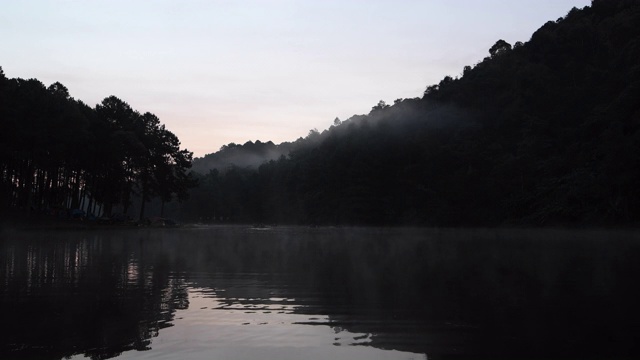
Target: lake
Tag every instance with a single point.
(236, 292)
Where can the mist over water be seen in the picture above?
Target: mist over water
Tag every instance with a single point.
(317, 293)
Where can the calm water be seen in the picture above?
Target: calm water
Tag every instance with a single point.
(299, 293)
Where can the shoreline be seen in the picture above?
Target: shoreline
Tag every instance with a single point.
(40, 222)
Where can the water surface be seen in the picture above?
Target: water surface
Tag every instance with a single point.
(323, 293)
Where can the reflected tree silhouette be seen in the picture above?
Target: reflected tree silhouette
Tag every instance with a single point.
(81, 296)
(439, 292)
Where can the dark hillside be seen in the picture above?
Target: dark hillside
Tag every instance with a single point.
(542, 132)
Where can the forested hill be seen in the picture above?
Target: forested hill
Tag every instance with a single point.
(248, 155)
(541, 132)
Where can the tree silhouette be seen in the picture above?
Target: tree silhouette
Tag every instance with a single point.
(499, 47)
(59, 154)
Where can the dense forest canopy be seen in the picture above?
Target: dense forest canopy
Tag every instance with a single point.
(250, 154)
(58, 154)
(540, 132)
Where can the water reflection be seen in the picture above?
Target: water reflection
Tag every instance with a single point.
(65, 293)
(249, 293)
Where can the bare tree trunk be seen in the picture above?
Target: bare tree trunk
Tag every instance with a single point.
(75, 191)
(143, 202)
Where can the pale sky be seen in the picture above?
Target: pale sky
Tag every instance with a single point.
(219, 71)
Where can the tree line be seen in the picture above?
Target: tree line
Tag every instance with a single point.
(57, 153)
(542, 132)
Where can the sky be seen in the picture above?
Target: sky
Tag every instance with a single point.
(218, 71)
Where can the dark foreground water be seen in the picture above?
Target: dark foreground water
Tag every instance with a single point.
(298, 293)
